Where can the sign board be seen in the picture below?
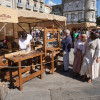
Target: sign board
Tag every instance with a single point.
(8, 15)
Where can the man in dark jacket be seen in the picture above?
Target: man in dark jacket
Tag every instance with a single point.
(67, 41)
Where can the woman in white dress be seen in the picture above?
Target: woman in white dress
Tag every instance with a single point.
(91, 53)
(78, 54)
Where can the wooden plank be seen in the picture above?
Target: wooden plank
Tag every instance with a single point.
(45, 41)
(59, 43)
(52, 63)
(20, 75)
(56, 52)
(16, 72)
(53, 70)
(51, 40)
(38, 47)
(52, 49)
(52, 30)
(41, 67)
(25, 79)
(25, 56)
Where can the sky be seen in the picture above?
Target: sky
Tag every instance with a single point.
(56, 2)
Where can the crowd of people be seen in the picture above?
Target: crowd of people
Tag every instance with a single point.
(76, 35)
(37, 34)
(86, 53)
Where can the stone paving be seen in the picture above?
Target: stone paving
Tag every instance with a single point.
(59, 86)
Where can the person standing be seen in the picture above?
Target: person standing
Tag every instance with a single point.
(66, 41)
(75, 38)
(78, 54)
(25, 42)
(91, 52)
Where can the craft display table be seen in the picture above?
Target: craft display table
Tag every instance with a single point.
(22, 57)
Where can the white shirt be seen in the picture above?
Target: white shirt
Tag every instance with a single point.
(79, 45)
(23, 43)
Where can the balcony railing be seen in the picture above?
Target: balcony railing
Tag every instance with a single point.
(20, 5)
(41, 10)
(42, 1)
(35, 8)
(92, 8)
(28, 7)
(36, 0)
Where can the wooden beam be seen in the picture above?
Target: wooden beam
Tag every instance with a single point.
(27, 78)
(52, 40)
(16, 72)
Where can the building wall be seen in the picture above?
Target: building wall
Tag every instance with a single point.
(6, 3)
(33, 5)
(57, 9)
(79, 10)
(48, 9)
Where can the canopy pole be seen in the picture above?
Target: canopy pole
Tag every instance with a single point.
(22, 28)
(29, 28)
(3, 27)
(58, 24)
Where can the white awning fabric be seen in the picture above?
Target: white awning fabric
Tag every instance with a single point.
(31, 17)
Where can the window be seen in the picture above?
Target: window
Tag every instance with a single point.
(92, 4)
(40, 5)
(80, 15)
(91, 16)
(8, 6)
(27, 2)
(34, 4)
(19, 1)
(72, 16)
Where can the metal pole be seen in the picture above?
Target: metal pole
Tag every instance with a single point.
(3, 27)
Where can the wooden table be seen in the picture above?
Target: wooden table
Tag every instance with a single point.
(53, 51)
(18, 59)
(3, 65)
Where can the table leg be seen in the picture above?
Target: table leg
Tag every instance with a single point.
(41, 67)
(52, 63)
(20, 75)
(10, 71)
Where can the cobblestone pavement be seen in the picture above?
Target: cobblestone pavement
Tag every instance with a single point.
(59, 86)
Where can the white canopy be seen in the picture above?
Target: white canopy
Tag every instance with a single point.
(41, 19)
(31, 17)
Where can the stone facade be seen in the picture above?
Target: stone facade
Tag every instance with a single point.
(48, 9)
(79, 10)
(31, 5)
(57, 9)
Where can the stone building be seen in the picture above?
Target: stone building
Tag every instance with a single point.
(31, 5)
(48, 9)
(78, 11)
(57, 9)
